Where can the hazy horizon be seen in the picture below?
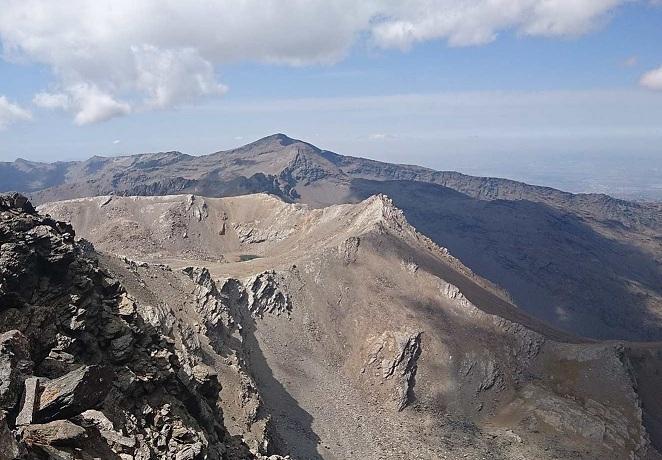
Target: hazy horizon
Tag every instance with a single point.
(622, 176)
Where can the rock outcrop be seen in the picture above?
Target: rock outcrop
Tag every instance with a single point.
(393, 361)
(82, 373)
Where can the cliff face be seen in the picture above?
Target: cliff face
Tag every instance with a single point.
(82, 373)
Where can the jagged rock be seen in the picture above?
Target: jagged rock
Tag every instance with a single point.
(93, 417)
(29, 401)
(266, 295)
(126, 306)
(16, 201)
(55, 433)
(206, 378)
(15, 365)
(9, 448)
(209, 304)
(121, 348)
(189, 452)
(394, 357)
(349, 249)
(74, 392)
(197, 207)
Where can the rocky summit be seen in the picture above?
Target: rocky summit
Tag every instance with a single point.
(190, 327)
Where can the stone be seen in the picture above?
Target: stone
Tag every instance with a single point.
(266, 294)
(207, 379)
(394, 360)
(74, 392)
(15, 365)
(189, 452)
(122, 347)
(113, 437)
(93, 417)
(126, 306)
(55, 433)
(29, 401)
(9, 449)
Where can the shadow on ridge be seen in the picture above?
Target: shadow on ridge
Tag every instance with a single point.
(291, 426)
(556, 267)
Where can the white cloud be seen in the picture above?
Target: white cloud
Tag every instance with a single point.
(88, 103)
(11, 113)
(130, 55)
(477, 22)
(93, 105)
(652, 79)
(51, 100)
(173, 77)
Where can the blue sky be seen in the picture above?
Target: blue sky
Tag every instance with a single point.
(515, 90)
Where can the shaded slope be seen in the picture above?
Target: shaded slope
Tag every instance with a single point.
(555, 265)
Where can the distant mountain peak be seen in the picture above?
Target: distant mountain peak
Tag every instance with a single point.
(280, 138)
(283, 140)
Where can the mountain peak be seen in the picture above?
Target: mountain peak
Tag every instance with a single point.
(280, 138)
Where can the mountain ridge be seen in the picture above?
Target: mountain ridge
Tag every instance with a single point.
(284, 140)
(606, 252)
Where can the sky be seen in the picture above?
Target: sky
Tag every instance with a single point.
(530, 89)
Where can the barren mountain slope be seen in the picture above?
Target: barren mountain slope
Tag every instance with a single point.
(85, 370)
(355, 327)
(588, 264)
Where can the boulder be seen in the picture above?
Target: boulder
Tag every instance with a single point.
(56, 433)
(29, 401)
(73, 393)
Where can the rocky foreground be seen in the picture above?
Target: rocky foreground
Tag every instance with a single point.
(82, 374)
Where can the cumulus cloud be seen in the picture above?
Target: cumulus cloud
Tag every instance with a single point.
(652, 79)
(86, 101)
(477, 22)
(11, 113)
(172, 77)
(113, 57)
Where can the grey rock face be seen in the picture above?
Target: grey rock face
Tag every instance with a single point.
(265, 295)
(74, 392)
(393, 360)
(15, 365)
(56, 433)
(9, 448)
(29, 402)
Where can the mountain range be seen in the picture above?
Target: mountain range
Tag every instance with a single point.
(587, 264)
(282, 300)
